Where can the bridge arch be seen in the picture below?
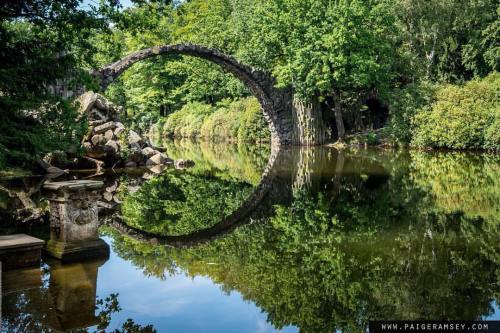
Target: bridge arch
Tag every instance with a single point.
(277, 104)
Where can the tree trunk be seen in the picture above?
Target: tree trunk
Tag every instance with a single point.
(337, 111)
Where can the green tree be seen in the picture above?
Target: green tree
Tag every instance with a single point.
(329, 50)
(42, 43)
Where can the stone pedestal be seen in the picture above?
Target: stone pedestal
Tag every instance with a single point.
(74, 221)
(18, 251)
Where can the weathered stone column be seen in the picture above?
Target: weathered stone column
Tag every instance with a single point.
(309, 127)
(74, 220)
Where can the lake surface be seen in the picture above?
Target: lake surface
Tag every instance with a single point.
(256, 240)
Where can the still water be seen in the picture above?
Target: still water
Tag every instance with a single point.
(254, 240)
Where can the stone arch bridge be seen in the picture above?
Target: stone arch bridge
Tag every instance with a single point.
(290, 122)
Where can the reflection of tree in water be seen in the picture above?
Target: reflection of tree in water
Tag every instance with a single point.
(356, 244)
(178, 203)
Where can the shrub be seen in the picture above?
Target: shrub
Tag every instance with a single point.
(461, 117)
(492, 134)
(253, 127)
(240, 120)
(187, 121)
(404, 104)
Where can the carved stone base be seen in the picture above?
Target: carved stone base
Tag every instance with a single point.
(73, 251)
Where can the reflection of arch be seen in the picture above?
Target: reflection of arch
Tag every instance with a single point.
(276, 103)
(288, 172)
(266, 188)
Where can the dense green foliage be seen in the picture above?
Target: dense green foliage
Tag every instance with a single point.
(241, 120)
(42, 43)
(462, 116)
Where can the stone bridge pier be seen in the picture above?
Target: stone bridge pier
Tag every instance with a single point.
(291, 122)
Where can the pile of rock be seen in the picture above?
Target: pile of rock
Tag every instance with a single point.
(109, 141)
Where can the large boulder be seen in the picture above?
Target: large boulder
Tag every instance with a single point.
(96, 114)
(158, 159)
(134, 138)
(109, 135)
(86, 101)
(119, 131)
(94, 123)
(111, 147)
(98, 140)
(96, 152)
(110, 125)
(101, 103)
(148, 152)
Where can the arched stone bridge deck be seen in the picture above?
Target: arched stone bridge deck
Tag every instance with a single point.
(277, 103)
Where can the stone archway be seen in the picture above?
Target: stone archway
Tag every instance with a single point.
(289, 124)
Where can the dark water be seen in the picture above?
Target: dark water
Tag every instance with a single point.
(254, 240)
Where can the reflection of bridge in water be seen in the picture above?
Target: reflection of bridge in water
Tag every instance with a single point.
(288, 171)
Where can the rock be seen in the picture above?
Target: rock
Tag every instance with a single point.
(86, 101)
(119, 131)
(119, 125)
(183, 164)
(158, 159)
(136, 156)
(98, 140)
(111, 147)
(130, 164)
(116, 199)
(97, 115)
(108, 196)
(109, 135)
(87, 146)
(95, 123)
(134, 138)
(101, 103)
(157, 169)
(112, 188)
(148, 151)
(135, 147)
(110, 125)
(96, 152)
(87, 162)
(106, 204)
